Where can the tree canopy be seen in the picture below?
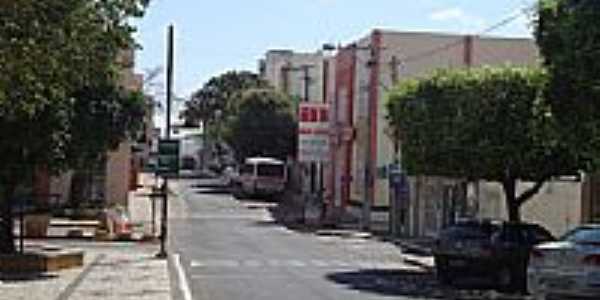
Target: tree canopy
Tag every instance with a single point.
(221, 93)
(489, 123)
(57, 60)
(568, 35)
(263, 126)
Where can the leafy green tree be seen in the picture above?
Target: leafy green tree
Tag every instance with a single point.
(114, 114)
(490, 123)
(216, 101)
(51, 52)
(568, 35)
(263, 126)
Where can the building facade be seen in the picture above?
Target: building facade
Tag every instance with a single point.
(306, 77)
(364, 147)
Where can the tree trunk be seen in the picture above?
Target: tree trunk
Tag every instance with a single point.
(514, 212)
(79, 187)
(7, 237)
(512, 204)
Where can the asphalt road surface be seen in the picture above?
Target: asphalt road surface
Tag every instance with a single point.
(230, 249)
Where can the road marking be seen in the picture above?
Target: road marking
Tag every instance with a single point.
(318, 263)
(252, 263)
(274, 263)
(214, 263)
(295, 263)
(339, 263)
(183, 282)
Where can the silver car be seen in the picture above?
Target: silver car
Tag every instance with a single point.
(568, 267)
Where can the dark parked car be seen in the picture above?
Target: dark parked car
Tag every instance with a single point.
(494, 250)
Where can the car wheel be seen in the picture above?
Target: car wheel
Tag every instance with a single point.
(238, 192)
(441, 272)
(539, 296)
(505, 280)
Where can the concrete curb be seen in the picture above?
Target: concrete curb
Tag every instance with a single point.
(414, 261)
(413, 247)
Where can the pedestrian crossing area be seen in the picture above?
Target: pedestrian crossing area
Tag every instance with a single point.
(295, 263)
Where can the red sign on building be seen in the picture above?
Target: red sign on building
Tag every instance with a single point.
(313, 132)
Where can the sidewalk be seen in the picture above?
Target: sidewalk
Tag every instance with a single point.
(109, 272)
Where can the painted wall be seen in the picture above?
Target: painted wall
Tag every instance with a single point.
(292, 82)
(557, 206)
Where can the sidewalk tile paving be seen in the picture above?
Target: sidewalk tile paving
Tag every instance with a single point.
(110, 270)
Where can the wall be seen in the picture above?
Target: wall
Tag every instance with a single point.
(118, 167)
(292, 82)
(557, 206)
(283, 69)
(416, 54)
(342, 118)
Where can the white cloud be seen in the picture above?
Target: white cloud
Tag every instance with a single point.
(447, 14)
(457, 15)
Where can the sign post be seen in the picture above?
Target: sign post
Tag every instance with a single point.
(313, 133)
(399, 197)
(168, 158)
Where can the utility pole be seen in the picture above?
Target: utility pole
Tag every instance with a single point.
(306, 78)
(368, 172)
(397, 209)
(165, 187)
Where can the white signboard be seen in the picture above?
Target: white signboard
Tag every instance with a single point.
(313, 132)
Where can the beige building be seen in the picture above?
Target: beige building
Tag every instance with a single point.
(307, 77)
(112, 180)
(366, 71)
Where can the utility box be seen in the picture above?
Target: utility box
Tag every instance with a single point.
(399, 198)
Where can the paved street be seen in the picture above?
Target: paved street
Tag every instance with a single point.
(234, 250)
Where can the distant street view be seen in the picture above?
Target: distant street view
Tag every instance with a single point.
(299, 150)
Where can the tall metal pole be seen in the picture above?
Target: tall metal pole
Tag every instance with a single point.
(165, 187)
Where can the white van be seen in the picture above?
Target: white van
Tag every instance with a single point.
(260, 176)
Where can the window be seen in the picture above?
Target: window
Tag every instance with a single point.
(583, 235)
(271, 170)
(247, 169)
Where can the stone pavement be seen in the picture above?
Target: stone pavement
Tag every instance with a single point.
(110, 271)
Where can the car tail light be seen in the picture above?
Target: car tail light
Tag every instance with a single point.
(486, 251)
(593, 260)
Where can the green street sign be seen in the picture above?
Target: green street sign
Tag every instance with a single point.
(168, 157)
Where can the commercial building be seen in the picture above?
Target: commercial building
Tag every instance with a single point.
(307, 77)
(363, 146)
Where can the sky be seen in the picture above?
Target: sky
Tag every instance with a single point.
(212, 37)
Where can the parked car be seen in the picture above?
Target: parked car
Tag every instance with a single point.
(260, 177)
(494, 250)
(569, 267)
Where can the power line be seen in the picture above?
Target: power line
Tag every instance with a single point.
(450, 45)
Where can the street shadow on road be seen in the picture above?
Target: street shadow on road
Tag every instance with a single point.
(408, 283)
(414, 284)
(20, 277)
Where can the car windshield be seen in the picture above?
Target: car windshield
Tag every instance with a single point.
(271, 170)
(246, 169)
(583, 235)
